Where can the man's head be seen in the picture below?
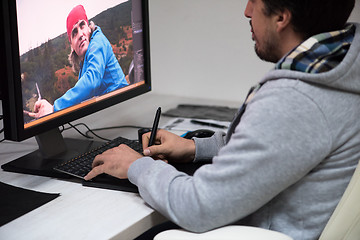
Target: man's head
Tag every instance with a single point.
(78, 30)
(280, 25)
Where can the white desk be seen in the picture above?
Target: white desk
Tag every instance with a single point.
(84, 212)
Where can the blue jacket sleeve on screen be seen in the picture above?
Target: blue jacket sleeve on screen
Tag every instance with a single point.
(100, 73)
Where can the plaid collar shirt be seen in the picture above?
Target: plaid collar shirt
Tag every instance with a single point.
(319, 53)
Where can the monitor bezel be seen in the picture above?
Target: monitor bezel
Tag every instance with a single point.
(11, 83)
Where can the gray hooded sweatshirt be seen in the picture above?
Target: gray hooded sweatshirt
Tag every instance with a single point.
(286, 165)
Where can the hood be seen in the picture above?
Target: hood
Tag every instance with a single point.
(345, 76)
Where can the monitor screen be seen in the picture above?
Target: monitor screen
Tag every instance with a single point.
(65, 59)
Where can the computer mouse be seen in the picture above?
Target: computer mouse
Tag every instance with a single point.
(200, 133)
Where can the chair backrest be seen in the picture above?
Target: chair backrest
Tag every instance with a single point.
(224, 233)
(344, 223)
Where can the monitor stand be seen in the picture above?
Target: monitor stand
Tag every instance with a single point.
(53, 149)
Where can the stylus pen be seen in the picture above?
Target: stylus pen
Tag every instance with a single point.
(155, 127)
(38, 91)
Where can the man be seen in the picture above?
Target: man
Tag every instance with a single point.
(292, 149)
(92, 55)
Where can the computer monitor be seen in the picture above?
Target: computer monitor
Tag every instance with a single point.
(43, 60)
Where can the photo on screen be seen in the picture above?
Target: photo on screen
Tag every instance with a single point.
(73, 53)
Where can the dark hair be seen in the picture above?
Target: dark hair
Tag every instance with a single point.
(311, 17)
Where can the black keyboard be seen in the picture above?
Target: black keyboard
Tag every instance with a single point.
(81, 165)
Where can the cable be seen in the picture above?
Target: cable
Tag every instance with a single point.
(92, 131)
(63, 128)
(109, 128)
(75, 127)
(89, 130)
(2, 130)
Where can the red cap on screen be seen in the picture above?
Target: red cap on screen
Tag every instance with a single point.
(76, 14)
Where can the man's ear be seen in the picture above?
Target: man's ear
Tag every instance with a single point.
(283, 20)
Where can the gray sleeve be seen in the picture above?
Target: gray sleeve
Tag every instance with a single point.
(276, 144)
(207, 148)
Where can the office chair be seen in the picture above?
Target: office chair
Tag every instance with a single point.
(344, 223)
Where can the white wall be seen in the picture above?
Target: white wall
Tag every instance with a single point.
(198, 46)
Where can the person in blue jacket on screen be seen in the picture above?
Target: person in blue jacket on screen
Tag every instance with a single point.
(91, 55)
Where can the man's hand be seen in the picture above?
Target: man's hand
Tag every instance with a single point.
(41, 108)
(115, 162)
(169, 146)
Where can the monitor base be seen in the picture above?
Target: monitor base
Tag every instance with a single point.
(35, 163)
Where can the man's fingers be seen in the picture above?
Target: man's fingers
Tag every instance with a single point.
(145, 139)
(33, 115)
(98, 160)
(94, 172)
(98, 168)
(37, 106)
(156, 150)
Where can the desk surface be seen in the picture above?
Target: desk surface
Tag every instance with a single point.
(83, 212)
